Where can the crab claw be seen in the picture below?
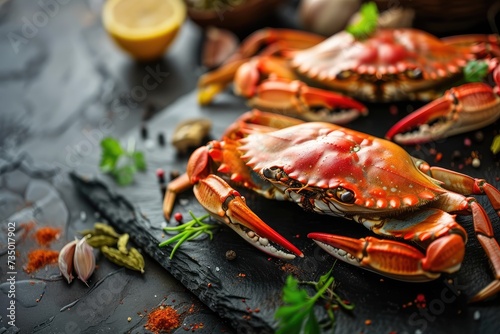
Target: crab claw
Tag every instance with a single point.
(386, 257)
(464, 108)
(307, 103)
(227, 206)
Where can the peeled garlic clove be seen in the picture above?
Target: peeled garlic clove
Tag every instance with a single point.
(65, 260)
(219, 45)
(84, 260)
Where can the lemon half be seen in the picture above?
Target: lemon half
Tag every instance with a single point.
(144, 28)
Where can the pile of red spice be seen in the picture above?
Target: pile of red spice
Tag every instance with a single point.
(162, 319)
(45, 235)
(39, 258)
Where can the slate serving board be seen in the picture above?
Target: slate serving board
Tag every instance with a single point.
(247, 291)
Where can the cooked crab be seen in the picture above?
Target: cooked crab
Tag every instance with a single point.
(331, 170)
(306, 76)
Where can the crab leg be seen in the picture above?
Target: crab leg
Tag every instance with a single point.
(272, 41)
(464, 184)
(227, 206)
(461, 109)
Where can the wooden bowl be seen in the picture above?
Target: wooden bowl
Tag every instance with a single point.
(237, 18)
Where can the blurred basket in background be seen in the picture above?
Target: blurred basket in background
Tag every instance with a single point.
(445, 17)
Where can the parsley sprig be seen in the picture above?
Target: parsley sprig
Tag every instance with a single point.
(119, 162)
(188, 231)
(367, 23)
(297, 313)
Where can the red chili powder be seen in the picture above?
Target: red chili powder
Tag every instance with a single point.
(39, 258)
(45, 235)
(162, 319)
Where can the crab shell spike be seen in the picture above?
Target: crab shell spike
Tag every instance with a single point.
(464, 108)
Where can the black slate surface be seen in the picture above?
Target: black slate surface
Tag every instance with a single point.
(37, 195)
(66, 85)
(254, 281)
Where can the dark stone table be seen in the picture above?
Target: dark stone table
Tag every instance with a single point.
(64, 86)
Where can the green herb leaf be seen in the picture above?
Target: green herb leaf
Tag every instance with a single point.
(324, 279)
(495, 145)
(367, 23)
(297, 309)
(475, 71)
(111, 151)
(120, 163)
(296, 315)
(124, 175)
(311, 324)
(140, 161)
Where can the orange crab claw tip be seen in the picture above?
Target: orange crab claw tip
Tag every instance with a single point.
(490, 290)
(350, 245)
(239, 212)
(440, 107)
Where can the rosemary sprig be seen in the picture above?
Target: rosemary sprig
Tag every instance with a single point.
(297, 313)
(188, 231)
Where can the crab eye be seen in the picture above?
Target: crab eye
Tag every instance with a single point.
(344, 195)
(271, 173)
(414, 74)
(346, 74)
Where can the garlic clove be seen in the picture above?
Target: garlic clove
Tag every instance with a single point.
(220, 44)
(65, 260)
(84, 260)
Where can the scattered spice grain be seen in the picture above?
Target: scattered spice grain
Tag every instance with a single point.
(230, 255)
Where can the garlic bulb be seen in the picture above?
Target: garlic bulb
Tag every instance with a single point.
(326, 17)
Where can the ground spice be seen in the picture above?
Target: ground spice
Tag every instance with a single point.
(39, 258)
(45, 235)
(162, 319)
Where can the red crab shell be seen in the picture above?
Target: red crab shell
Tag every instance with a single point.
(390, 65)
(380, 173)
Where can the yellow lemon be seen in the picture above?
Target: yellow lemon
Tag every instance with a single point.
(144, 28)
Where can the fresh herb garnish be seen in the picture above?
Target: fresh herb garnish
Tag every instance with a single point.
(297, 313)
(121, 163)
(475, 71)
(188, 231)
(367, 23)
(495, 145)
